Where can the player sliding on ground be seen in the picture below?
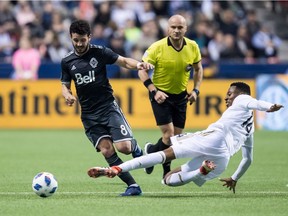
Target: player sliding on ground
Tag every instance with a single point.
(209, 149)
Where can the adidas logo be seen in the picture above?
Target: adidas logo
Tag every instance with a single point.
(73, 67)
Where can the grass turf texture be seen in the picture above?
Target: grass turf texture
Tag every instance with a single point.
(68, 154)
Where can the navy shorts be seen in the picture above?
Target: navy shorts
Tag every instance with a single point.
(111, 123)
(172, 110)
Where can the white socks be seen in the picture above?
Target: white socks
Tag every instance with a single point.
(181, 178)
(143, 161)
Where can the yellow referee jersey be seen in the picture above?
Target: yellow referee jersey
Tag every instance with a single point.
(171, 72)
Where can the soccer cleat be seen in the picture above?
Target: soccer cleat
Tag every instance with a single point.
(148, 170)
(109, 172)
(96, 172)
(132, 191)
(207, 166)
(137, 152)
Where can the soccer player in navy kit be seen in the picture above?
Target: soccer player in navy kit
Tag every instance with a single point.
(101, 116)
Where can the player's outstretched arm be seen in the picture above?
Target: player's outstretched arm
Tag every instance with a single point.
(229, 183)
(275, 107)
(67, 94)
(130, 63)
(247, 158)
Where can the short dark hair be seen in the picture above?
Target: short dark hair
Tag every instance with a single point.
(242, 87)
(80, 27)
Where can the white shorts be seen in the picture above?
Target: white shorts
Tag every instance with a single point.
(200, 146)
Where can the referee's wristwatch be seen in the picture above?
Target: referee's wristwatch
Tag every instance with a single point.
(196, 91)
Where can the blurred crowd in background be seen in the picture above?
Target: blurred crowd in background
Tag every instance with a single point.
(39, 30)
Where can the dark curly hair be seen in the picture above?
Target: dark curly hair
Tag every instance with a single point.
(80, 27)
(242, 87)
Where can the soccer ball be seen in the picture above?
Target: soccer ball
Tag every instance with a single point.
(44, 184)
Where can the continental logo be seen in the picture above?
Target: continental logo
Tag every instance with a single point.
(40, 104)
(24, 102)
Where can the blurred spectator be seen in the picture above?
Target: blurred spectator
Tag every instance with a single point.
(132, 33)
(7, 44)
(68, 5)
(47, 15)
(230, 51)
(120, 14)
(228, 24)
(243, 43)
(98, 36)
(117, 43)
(26, 31)
(160, 8)
(266, 44)
(252, 23)
(103, 14)
(216, 46)
(59, 26)
(37, 32)
(149, 34)
(55, 50)
(200, 34)
(146, 13)
(175, 6)
(85, 11)
(26, 61)
(212, 10)
(239, 9)
(24, 13)
(136, 53)
(7, 19)
(207, 9)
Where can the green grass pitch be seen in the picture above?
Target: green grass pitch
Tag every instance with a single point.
(263, 190)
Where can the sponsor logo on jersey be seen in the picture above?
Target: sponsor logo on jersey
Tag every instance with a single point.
(85, 79)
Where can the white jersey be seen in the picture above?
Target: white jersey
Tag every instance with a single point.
(237, 121)
(222, 139)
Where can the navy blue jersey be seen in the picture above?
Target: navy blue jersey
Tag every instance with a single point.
(90, 77)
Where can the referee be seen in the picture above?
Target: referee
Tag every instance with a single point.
(173, 57)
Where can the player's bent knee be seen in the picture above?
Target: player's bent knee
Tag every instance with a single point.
(123, 147)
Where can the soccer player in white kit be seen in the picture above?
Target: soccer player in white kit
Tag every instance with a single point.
(209, 149)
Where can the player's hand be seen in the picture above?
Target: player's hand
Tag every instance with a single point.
(191, 97)
(160, 97)
(275, 107)
(144, 65)
(229, 183)
(70, 100)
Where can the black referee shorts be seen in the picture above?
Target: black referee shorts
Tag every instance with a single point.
(172, 110)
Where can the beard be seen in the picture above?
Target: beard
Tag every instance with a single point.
(81, 50)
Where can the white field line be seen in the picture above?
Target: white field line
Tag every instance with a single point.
(156, 192)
